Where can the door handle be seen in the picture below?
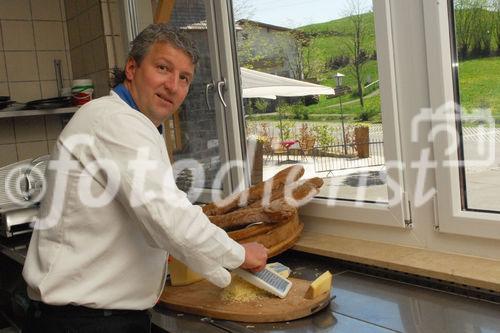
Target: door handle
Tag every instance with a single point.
(208, 86)
(220, 87)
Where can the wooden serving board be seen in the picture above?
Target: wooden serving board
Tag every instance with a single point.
(203, 298)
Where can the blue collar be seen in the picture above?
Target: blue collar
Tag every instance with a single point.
(126, 96)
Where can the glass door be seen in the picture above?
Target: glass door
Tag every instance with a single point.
(197, 134)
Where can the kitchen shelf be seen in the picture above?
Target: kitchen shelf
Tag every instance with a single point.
(25, 113)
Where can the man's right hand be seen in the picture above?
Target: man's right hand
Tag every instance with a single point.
(255, 257)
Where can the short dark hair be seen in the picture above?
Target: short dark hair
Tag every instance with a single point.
(161, 32)
(156, 33)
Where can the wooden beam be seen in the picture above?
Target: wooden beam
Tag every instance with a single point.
(164, 11)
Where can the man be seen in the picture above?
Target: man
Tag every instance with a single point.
(112, 212)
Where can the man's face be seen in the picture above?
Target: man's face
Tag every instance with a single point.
(161, 82)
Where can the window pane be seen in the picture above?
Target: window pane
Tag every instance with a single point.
(191, 134)
(282, 47)
(477, 92)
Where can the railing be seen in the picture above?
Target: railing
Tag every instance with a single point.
(349, 156)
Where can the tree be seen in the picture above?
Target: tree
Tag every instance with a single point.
(495, 7)
(243, 9)
(355, 41)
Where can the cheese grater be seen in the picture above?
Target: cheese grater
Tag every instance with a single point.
(268, 280)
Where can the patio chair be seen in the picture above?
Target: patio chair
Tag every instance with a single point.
(307, 146)
(278, 150)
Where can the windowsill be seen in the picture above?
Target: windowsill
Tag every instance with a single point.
(467, 270)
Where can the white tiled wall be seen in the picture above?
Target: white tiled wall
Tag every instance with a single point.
(83, 34)
(32, 35)
(94, 29)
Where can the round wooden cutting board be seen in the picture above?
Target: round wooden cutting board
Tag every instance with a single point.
(203, 298)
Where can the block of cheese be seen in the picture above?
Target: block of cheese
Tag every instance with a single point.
(320, 286)
(180, 274)
(279, 268)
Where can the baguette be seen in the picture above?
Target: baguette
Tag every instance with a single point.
(254, 193)
(278, 211)
(306, 188)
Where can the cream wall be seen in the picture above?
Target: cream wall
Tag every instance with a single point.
(85, 34)
(32, 34)
(94, 29)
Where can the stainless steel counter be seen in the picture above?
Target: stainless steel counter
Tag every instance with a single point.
(15, 248)
(362, 303)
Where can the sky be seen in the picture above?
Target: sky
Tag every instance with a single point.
(296, 13)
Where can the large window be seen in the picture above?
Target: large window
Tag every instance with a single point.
(318, 90)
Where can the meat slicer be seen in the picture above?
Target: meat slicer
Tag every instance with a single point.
(21, 189)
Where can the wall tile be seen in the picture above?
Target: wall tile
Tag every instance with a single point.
(101, 83)
(29, 129)
(71, 10)
(88, 59)
(51, 145)
(53, 125)
(66, 36)
(77, 62)
(83, 27)
(18, 35)
(21, 66)
(100, 54)
(115, 18)
(25, 91)
(81, 5)
(4, 89)
(106, 18)
(46, 10)
(120, 52)
(8, 154)
(69, 67)
(49, 35)
(95, 26)
(46, 64)
(62, 6)
(7, 131)
(73, 33)
(31, 149)
(1, 39)
(110, 49)
(49, 89)
(3, 70)
(15, 9)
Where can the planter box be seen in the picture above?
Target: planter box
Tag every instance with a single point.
(362, 141)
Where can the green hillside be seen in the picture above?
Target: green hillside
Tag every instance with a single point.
(334, 35)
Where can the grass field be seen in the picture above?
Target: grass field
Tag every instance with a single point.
(479, 83)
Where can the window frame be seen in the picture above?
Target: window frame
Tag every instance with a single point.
(449, 214)
(397, 212)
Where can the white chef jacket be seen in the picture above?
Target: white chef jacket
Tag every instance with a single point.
(114, 257)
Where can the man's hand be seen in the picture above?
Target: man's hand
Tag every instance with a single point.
(255, 257)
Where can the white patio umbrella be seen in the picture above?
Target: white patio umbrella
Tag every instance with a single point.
(257, 84)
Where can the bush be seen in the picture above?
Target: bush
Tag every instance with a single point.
(323, 135)
(286, 128)
(371, 112)
(338, 62)
(300, 112)
(261, 105)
